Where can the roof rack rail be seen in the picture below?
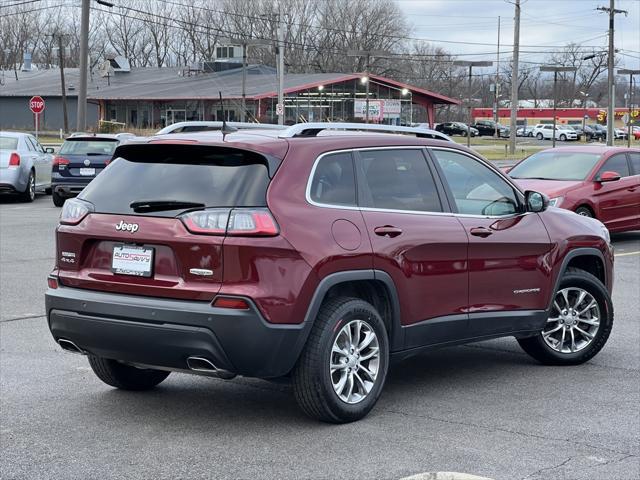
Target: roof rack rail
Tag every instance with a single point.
(194, 126)
(312, 129)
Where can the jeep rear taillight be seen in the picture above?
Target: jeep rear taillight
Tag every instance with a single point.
(14, 160)
(238, 222)
(73, 211)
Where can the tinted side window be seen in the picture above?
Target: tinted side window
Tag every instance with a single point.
(398, 180)
(476, 189)
(635, 162)
(333, 180)
(617, 163)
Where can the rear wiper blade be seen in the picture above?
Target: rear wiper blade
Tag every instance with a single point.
(160, 205)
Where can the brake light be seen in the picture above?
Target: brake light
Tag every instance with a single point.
(231, 302)
(237, 222)
(52, 282)
(73, 211)
(252, 222)
(60, 162)
(14, 160)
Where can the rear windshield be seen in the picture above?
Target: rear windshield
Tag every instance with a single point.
(211, 176)
(8, 143)
(102, 146)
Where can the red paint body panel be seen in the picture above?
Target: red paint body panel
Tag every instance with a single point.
(513, 258)
(427, 262)
(176, 252)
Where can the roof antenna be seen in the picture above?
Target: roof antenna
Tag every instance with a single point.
(226, 129)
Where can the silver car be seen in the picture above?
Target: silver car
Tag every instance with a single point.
(25, 166)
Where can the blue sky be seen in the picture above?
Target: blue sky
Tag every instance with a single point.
(546, 25)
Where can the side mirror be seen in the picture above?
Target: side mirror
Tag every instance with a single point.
(49, 150)
(536, 201)
(608, 177)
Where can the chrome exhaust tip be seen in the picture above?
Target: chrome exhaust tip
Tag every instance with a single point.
(204, 366)
(69, 346)
(199, 364)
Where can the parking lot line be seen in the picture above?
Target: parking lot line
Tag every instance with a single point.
(627, 253)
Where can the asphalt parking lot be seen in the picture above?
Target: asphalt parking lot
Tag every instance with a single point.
(485, 409)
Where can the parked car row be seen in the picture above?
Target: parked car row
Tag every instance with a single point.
(457, 128)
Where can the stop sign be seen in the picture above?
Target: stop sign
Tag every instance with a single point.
(36, 104)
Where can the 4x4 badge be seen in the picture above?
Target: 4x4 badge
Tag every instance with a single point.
(127, 227)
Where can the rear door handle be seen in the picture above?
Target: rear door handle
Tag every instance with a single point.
(481, 232)
(387, 231)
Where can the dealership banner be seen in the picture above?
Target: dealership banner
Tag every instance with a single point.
(378, 109)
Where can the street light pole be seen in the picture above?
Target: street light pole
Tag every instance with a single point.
(555, 69)
(631, 73)
(462, 63)
(368, 54)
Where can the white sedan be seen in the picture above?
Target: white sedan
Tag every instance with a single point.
(25, 166)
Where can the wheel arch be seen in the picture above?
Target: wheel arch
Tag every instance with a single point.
(373, 286)
(588, 259)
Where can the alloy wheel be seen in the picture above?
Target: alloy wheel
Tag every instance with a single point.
(574, 321)
(354, 361)
(32, 187)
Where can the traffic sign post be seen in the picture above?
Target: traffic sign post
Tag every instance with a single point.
(36, 105)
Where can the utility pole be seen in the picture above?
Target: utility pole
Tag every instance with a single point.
(555, 69)
(496, 89)
(243, 114)
(84, 54)
(367, 54)
(245, 43)
(610, 64)
(65, 117)
(461, 63)
(514, 80)
(281, 117)
(631, 73)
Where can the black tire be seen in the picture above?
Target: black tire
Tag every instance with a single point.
(539, 136)
(530, 134)
(312, 383)
(125, 377)
(563, 138)
(537, 347)
(29, 194)
(584, 211)
(58, 200)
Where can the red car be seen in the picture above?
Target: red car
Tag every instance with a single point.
(599, 182)
(317, 259)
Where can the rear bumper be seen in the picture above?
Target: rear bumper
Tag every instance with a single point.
(13, 180)
(69, 190)
(164, 332)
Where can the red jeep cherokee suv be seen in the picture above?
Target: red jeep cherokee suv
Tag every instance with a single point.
(318, 257)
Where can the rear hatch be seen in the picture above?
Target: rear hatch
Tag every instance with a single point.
(157, 218)
(84, 157)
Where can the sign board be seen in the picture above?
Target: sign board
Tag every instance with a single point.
(36, 104)
(378, 109)
(279, 109)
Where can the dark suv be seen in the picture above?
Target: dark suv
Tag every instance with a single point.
(80, 159)
(317, 258)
